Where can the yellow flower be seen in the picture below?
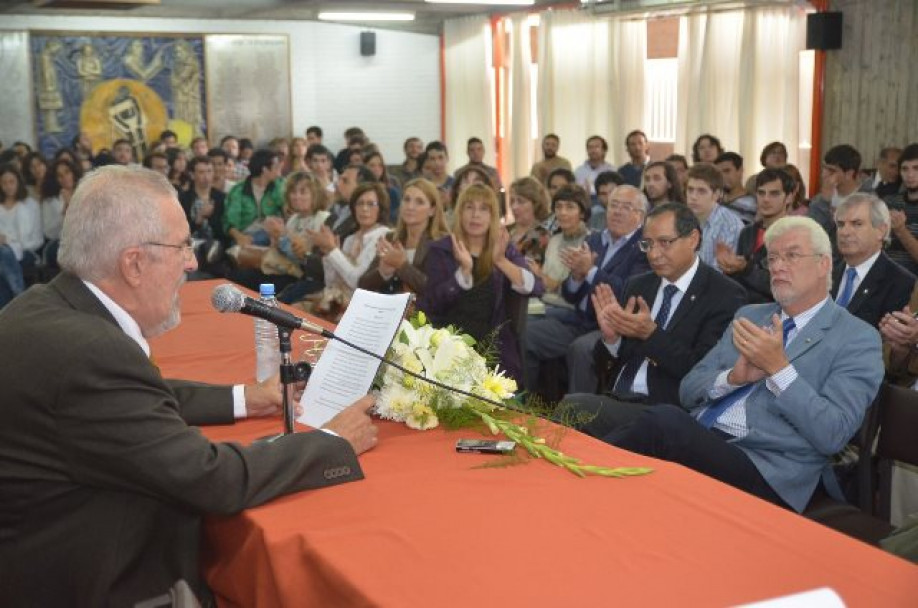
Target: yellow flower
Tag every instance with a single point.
(499, 385)
(421, 418)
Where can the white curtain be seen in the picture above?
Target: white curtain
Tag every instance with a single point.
(739, 79)
(591, 80)
(519, 151)
(469, 104)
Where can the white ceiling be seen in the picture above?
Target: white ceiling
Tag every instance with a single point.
(429, 17)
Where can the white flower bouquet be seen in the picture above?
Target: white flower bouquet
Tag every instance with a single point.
(464, 390)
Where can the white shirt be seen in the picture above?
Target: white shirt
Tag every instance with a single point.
(733, 419)
(52, 217)
(129, 326)
(860, 271)
(639, 385)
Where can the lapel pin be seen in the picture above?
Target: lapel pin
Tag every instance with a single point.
(692, 298)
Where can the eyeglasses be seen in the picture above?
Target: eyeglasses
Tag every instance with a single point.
(367, 204)
(187, 248)
(646, 245)
(790, 258)
(615, 206)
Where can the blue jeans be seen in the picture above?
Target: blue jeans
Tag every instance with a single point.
(11, 275)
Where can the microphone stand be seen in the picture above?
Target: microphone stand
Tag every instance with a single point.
(290, 374)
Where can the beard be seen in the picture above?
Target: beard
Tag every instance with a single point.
(175, 314)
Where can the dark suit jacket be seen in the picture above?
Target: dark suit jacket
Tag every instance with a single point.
(695, 327)
(887, 287)
(410, 276)
(102, 481)
(626, 263)
(215, 221)
(755, 278)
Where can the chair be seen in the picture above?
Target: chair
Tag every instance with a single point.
(895, 413)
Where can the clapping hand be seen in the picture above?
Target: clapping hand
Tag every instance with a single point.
(899, 329)
(326, 240)
(728, 261)
(604, 303)
(579, 260)
(392, 256)
(761, 350)
(462, 256)
(634, 320)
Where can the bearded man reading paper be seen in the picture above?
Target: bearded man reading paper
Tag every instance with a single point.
(102, 480)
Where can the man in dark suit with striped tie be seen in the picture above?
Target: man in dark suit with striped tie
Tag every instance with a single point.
(666, 321)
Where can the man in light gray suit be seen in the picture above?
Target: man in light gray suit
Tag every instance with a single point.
(785, 388)
(103, 483)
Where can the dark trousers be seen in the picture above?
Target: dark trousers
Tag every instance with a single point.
(668, 432)
(597, 415)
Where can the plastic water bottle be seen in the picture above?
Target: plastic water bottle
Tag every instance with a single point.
(267, 344)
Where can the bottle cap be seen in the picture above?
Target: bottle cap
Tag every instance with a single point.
(266, 289)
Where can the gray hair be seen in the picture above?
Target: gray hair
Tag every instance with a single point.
(879, 212)
(641, 197)
(819, 240)
(113, 208)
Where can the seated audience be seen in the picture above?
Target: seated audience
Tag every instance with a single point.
(373, 160)
(480, 278)
(730, 165)
(662, 324)
(204, 207)
(34, 169)
(321, 164)
(680, 164)
(259, 196)
(220, 161)
(747, 266)
(706, 149)
(609, 257)
(462, 179)
(341, 220)
(551, 143)
(178, 169)
(410, 168)
(638, 148)
(529, 203)
(157, 161)
(605, 183)
(434, 168)
(800, 205)
(596, 148)
(904, 212)
(841, 165)
(661, 184)
(718, 225)
(571, 209)
(297, 161)
(400, 260)
(773, 156)
(476, 151)
(344, 263)
(57, 189)
(867, 283)
(20, 227)
(887, 181)
(785, 388)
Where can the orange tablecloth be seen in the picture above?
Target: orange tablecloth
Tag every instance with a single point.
(428, 528)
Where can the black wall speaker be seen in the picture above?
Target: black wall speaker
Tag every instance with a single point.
(823, 31)
(368, 43)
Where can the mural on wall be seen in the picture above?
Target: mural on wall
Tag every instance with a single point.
(117, 87)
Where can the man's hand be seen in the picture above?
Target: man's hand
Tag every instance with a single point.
(354, 425)
(604, 303)
(265, 398)
(634, 320)
(762, 348)
(728, 261)
(896, 219)
(579, 259)
(900, 329)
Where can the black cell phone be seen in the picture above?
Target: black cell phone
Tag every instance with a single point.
(485, 446)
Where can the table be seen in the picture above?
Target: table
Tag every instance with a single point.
(428, 527)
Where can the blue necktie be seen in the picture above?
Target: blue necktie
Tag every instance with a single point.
(845, 298)
(719, 406)
(629, 372)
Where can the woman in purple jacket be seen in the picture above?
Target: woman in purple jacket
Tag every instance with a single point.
(478, 281)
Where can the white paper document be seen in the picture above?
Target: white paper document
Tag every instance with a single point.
(342, 375)
(824, 597)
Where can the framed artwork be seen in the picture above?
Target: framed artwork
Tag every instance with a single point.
(117, 87)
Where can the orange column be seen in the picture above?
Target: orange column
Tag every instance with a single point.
(497, 62)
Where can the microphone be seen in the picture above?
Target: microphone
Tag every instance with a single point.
(226, 298)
